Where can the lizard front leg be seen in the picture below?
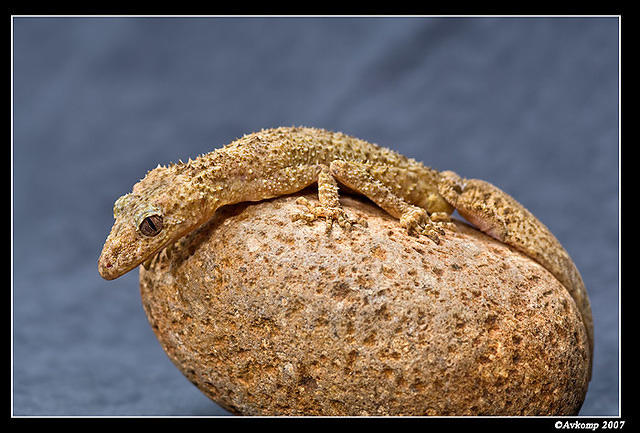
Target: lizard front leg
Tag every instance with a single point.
(498, 214)
(415, 219)
(330, 208)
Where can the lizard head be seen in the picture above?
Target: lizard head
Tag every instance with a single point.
(157, 212)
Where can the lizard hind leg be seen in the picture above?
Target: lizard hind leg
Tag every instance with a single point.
(414, 218)
(329, 208)
(469, 198)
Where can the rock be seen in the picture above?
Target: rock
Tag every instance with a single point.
(272, 317)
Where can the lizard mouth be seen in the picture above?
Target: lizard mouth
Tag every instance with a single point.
(110, 266)
(121, 253)
(124, 249)
(106, 269)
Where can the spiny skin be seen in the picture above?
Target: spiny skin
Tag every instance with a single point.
(258, 166)
(284, 160)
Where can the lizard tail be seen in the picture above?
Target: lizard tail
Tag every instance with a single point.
(498, 214)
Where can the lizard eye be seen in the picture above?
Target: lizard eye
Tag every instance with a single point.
(151, 225)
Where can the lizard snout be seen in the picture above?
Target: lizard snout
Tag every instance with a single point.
(106, 266)
(120, 253)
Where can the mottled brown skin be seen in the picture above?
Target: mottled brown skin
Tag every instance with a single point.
(502, 217)
(282, 161)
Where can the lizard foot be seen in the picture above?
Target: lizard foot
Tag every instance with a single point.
(330, 214)
(442, 220)
(417, 222)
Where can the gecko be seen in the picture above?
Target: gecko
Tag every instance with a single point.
(173, 200)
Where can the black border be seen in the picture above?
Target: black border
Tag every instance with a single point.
(494, 423)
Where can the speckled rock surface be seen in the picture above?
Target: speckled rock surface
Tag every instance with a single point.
(272, 317)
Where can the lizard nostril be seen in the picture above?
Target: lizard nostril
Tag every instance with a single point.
(151, 225)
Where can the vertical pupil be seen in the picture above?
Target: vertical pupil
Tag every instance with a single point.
(151, 225)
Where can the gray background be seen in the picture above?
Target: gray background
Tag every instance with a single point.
(530, 105)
